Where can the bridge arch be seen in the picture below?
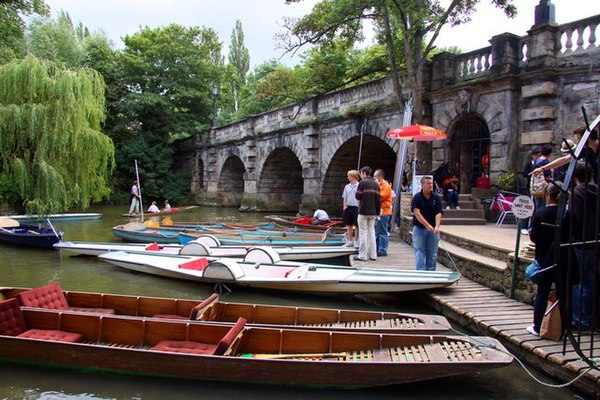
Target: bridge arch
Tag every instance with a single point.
(230, 187)
(280, 183)
(376, 153)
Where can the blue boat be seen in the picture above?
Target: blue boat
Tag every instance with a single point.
(30, 235)
(136, 232)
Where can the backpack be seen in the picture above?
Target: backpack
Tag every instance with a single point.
(538, 184)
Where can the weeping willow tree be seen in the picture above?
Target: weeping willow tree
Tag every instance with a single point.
(52, 154)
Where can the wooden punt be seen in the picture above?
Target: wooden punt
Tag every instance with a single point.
(117, 344)
(289, 222)
(211, 310)
(174, 210)
(265, 239)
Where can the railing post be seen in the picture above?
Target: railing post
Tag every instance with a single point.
(505, 55)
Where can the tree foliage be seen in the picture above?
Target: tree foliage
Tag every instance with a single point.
(51, 148)
(165, 75)
(239, 60)
(12, 25)
(410, 26)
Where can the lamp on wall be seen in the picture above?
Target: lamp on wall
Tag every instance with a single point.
(215, 91)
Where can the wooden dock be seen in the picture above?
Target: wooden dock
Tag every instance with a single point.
(484, 311)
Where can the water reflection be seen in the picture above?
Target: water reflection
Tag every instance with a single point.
(30, 267)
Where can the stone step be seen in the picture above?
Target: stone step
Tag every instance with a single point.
(463, 213)
(469, 204)
(484, 249)
(463, 221)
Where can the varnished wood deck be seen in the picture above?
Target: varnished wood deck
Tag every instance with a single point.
(484, 311)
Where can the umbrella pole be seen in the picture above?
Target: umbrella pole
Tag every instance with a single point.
(400, 161)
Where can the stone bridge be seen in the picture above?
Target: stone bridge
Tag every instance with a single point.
(495, 104)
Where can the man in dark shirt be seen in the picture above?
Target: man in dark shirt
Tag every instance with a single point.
(369, 207)
(427, 219)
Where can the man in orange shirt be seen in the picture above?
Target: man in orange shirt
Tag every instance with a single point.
(383, 222)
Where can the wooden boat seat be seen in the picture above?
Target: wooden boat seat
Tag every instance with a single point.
(197, 312)
(51, 296)
(12, 323)
(190, 347)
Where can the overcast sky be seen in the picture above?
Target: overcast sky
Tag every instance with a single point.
(262, 19)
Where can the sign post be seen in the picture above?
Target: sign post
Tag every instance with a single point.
(522, 208)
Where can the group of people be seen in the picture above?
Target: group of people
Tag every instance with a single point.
(579, 228)
(367, 210)
(135, 201)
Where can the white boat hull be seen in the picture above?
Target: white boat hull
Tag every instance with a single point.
(282, 275)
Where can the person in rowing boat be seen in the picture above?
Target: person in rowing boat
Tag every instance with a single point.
(320, 217)
(134, 199)
(153, 208)
(167, 206)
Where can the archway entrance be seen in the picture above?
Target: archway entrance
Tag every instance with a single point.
(469, 146)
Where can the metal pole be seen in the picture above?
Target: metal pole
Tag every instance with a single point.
(137, 177)
(362, 133)
(513, 281)
(400, 162)
(214, 93)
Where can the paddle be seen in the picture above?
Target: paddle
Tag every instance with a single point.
(53, 230)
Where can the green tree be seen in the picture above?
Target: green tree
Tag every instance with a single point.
(239, 59)
(12, 26)
(52, 153)
(167, 75)
(57, 40)
(411, 26)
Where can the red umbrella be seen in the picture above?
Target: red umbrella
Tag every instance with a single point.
(417, 132)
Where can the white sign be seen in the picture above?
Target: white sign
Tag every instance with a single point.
(523, 207)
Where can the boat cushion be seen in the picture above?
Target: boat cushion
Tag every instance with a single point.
(51, 296)
(228, 339)
(153, 247)
(47, 296)
(12, 323)
(181, 346)
(198, 264)
(198, 310)
(53, 335)
(190, 347)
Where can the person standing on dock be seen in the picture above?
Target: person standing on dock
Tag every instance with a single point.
(427, 219)
(383, 222)
(542, 235)
(369, 207)
(350, 208)
(135, 199)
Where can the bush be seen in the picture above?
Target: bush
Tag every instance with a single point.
(507, 182)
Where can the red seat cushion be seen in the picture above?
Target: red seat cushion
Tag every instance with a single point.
(197, 310)
(53, 335)
(227, 340)
(47, 296)
(183, 346)
(180, 346)
(12, 322)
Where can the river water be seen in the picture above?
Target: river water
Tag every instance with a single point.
(28, 268)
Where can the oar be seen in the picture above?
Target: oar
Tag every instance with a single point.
(53, 230)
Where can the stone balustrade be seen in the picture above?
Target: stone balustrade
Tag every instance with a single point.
(578, 36)
(473, 64)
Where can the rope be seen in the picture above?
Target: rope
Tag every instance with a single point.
(449, 256)
(527, 370)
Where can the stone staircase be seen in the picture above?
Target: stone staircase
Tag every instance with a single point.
(470, 213)
(486, 263)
